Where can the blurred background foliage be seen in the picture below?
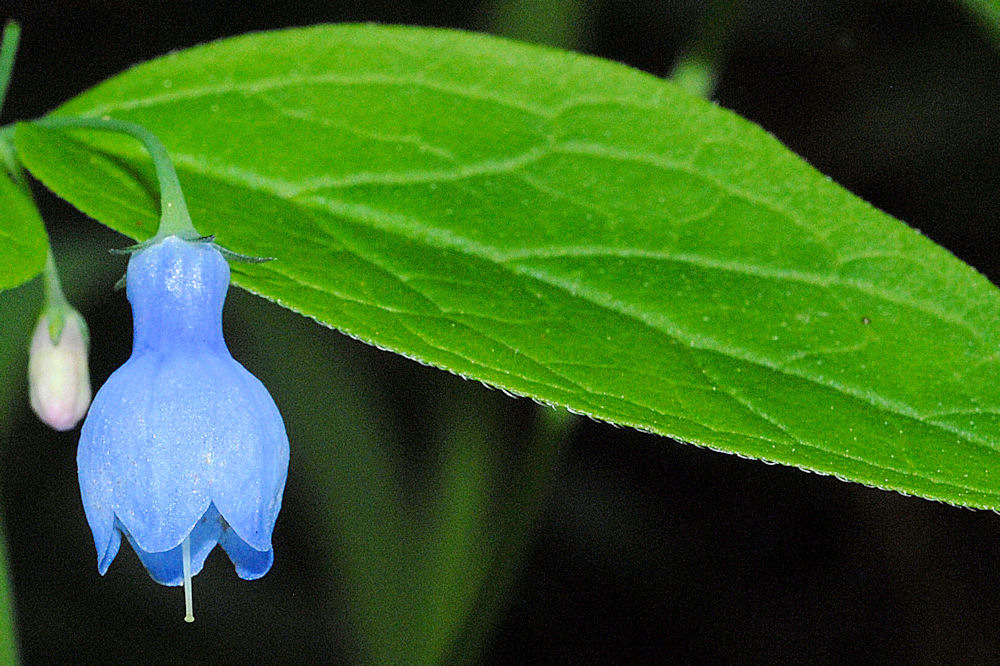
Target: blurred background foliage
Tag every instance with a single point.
(430, 519)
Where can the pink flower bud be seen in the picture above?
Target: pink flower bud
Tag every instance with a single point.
(58, 375)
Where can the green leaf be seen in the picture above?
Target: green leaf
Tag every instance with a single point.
(568, 229)
(22, 236)
(987, 12)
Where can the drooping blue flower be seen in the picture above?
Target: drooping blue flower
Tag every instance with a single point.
(182, 442)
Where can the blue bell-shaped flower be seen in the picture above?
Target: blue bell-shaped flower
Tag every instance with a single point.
(182, 448)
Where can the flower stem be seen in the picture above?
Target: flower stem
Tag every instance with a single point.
(174, 216)
(55, 300)
(698, 68)
(53, 287)
(8, 48)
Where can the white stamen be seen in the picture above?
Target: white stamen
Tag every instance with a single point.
(186, 563)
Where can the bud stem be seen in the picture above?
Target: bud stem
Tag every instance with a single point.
(56, 304)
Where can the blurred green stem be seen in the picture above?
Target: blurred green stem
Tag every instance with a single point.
(523, 508)
(697, 70)
(8, 635)
(987, 14)
(560, 23)
(18, 310)
(8, 49)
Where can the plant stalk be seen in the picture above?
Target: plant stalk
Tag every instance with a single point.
(8, 49)
(174, 216)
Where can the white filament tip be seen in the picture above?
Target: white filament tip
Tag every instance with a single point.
(186, 563)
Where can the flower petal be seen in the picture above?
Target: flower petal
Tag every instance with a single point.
(167, 567)
(250, 460)
(107, 554)
(250, 563)
(142, 450)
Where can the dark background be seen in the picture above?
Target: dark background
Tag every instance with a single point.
(647, 550)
